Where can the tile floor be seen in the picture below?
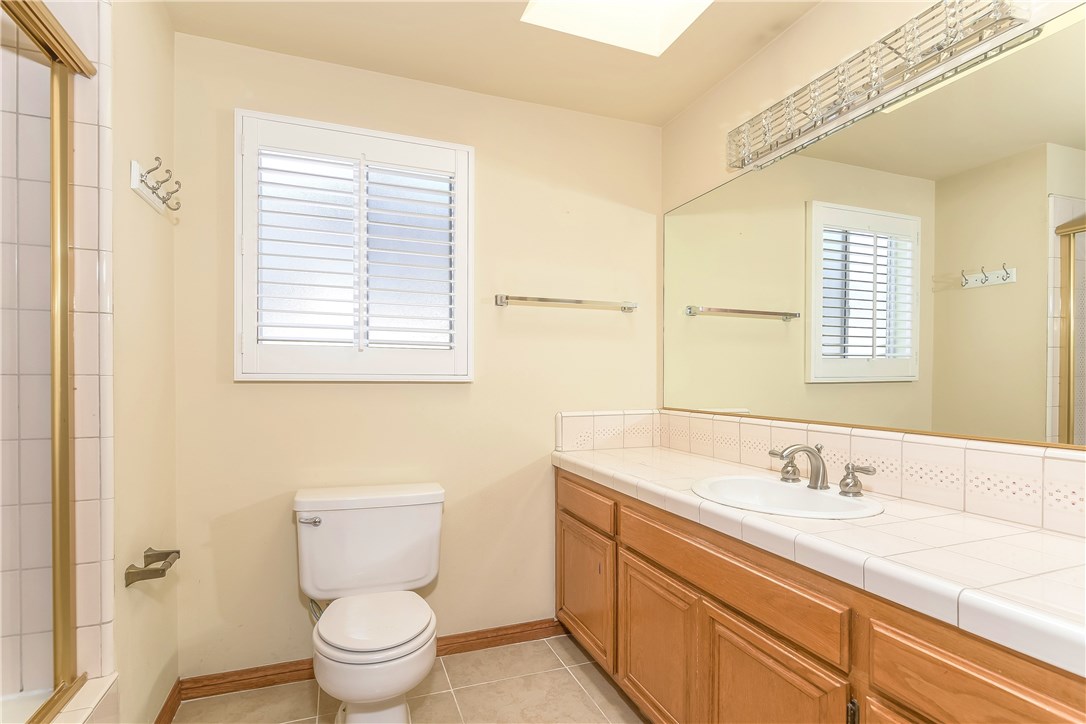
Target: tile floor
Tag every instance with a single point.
(551, 680)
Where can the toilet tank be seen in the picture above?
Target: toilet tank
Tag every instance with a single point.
(369, 538)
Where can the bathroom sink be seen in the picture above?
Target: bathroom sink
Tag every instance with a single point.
(794, 499)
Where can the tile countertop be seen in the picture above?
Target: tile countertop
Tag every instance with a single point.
(1013, 584)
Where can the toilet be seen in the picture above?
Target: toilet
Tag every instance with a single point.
(366, 548)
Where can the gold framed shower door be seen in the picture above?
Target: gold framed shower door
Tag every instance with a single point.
(46, 32)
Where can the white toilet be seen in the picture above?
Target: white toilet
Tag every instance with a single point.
(366, 548)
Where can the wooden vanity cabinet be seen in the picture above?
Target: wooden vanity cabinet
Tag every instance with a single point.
(657, 640)
(585, 587)
(696, 626)
(751, 676)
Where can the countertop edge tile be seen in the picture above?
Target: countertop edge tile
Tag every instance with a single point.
(722, 519)
(913, 588)
(836, 560)
(1027, 630)
(770, 536)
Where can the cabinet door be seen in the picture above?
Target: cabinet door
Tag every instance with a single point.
(585, 587)
(753, 677)
(657, 641)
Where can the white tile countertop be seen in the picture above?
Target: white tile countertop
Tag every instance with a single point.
(1014, 584)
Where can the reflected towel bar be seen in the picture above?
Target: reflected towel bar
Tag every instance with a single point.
(155, 565)
(503, 300)
(692, 311)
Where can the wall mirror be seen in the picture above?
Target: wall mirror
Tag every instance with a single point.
(920, 248)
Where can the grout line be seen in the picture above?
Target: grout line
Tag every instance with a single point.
(589, 695)
(508, 678)
(451, 691)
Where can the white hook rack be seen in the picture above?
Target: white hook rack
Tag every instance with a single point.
(154, 191)
(984, 278)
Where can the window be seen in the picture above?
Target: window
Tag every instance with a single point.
(353, 254)
(863, 301)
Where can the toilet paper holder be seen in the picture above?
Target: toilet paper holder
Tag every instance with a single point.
(155, 565)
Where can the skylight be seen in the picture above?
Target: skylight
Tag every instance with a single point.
(644, 26)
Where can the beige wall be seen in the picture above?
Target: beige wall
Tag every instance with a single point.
(143, 287)
(695, 142)
(991, 344)
(1066, 171)
(567, 204)
(744, 245)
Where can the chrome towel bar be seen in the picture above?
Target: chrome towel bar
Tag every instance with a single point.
(692, 311)
(155, 565)
(503, 300)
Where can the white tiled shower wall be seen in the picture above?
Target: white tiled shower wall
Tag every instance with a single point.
(1033, 485)
(25, 241)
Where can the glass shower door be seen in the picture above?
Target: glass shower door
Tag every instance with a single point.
(26, 579)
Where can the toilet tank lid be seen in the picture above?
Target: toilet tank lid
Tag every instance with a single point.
(367, 496)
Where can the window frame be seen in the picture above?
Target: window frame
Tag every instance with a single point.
(325, 363)
(820, 369)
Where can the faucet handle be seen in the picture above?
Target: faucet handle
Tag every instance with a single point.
(818, 447)
(776, 454)
(851, 487)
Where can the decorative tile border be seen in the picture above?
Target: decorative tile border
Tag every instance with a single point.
(1026, 484)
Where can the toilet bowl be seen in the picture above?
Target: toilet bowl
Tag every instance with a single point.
(365, 548)
(370, 650)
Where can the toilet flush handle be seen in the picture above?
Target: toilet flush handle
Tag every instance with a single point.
(314, 521)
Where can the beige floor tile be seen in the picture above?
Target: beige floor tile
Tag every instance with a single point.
(271, 705)
(607, 695)
(434, 682)
(552, 696)
(568, 650)
(326, 703)
(502, 662)
(434, 709)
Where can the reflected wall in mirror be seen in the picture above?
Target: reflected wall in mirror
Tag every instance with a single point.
(989, 165)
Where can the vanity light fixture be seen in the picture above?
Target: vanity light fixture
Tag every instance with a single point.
(644, 26)
(932, 39)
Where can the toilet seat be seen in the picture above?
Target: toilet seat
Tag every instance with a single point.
(375, 627)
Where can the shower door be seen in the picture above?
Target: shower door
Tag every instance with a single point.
(38, 670)
(1072, 380)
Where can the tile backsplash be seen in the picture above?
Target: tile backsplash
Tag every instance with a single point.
(1027, 484)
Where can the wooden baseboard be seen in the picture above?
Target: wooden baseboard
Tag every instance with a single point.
(171, 705)
(257, 677)
(500, 636)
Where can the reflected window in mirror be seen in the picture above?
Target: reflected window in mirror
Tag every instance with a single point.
(863, 294)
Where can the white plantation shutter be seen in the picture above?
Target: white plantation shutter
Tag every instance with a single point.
(307, 249)
(863, 303)
(410, 245)
(354, 254)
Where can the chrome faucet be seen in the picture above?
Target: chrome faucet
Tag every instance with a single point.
(818, 465)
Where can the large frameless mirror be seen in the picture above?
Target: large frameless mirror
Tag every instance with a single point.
(919, 247)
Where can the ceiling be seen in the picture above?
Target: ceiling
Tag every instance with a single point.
(1035, 94)
(483, 47)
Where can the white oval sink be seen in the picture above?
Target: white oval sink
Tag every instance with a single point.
(794, 499)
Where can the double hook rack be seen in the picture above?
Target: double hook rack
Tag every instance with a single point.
(984, 279)
(152, 190)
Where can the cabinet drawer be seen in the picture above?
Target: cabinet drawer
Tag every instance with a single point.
(590, 507)
(947, 687)
(817, 623)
